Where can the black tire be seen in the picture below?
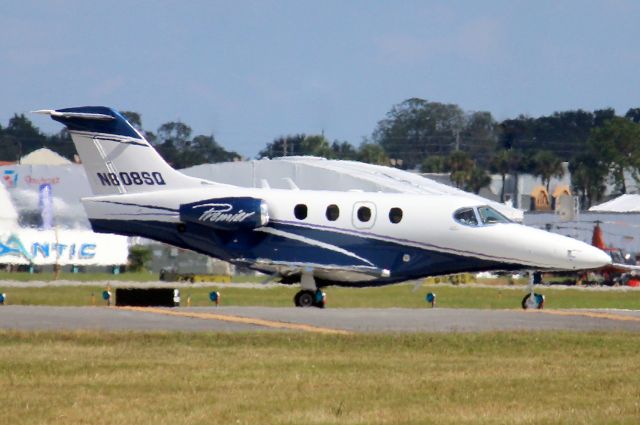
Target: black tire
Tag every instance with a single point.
(539, 305)
(304, 299)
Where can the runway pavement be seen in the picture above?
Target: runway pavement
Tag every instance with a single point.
(348, 320)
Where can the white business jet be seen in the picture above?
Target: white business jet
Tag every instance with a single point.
(311, 237)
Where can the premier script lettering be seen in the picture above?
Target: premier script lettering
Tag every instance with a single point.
(218, 213)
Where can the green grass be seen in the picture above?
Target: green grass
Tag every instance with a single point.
(463, 296)
(79, 277)
(285, 378)
(143, 276)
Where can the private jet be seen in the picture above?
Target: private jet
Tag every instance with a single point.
(313, 238)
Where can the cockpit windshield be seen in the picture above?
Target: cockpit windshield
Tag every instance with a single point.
(479, 216)
(490, 216)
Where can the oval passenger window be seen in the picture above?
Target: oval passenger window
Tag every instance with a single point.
(333, 212)
(395, 215)
(364, 214)
(300, 211)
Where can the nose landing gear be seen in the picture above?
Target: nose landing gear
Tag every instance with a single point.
(533, 300)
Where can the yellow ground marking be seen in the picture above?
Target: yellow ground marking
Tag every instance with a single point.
(591, 314)
(239, 319)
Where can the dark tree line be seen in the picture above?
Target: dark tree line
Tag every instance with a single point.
(173, 140)
(599, 146)
(20, 137)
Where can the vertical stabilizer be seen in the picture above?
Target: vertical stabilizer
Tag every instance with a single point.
(116, 157)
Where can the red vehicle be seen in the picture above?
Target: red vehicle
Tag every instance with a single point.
(617, 273)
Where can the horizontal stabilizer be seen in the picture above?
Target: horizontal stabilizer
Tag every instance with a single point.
(80, 115)
(626, 267)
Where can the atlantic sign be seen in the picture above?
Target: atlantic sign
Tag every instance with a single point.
(63, 247)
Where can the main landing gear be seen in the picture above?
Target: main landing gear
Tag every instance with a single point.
(310, 295)
(309, 298)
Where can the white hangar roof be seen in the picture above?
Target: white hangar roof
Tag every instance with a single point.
(322, 174)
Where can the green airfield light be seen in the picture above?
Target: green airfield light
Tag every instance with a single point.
(214, 296)
(106, 295)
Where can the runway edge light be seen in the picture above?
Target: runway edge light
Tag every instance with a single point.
(431, 298)
(214, 296)
(106, 296)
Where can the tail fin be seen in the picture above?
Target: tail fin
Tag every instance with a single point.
(116, 157)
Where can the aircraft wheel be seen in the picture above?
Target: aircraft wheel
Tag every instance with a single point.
(536, 303)
(304, 298)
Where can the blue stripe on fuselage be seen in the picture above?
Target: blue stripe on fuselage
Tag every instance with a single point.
(404, 262)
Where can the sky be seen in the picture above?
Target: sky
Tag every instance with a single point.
(251, 71)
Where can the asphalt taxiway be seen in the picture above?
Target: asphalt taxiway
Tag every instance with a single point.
(347, 320)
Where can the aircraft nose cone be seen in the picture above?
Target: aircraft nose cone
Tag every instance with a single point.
(588, 257)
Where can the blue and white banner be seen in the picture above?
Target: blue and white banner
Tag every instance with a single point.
(63, 247)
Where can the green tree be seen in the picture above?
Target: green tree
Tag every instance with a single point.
(505, 162)
(134, 118)
(170, 153)
(501, 164)
(20, 137)
(633, 114)
(62, 144)
(417, 128)
(547, 165)
(434, 164)
(477, 179)
(601, 116)
(372, 153)
(175, 131)
(616, 146)
(461, 167)
(298, 144)
(588, 178)
(206, 150)
(316, 145)
(343, 150)
(479, 137)
(139, 256)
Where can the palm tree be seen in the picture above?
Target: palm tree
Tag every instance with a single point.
(505, 161)
(547, 165)
(461, 167)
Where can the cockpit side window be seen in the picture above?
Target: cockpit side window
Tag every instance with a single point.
(490, 216)
(466, 216)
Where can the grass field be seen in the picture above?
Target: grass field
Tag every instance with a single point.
(85, 277)
(143, 276)
(283, 378)
(462, 296)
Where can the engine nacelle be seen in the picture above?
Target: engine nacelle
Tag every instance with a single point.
(232, 213)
